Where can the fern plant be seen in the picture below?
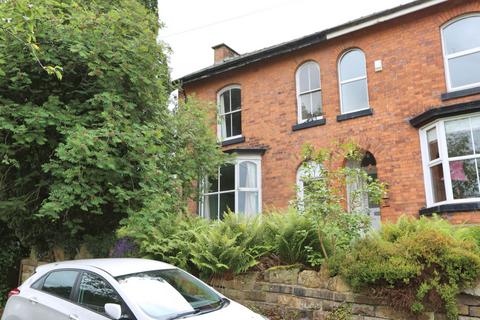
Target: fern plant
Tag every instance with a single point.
(292, 236)
(229, 246)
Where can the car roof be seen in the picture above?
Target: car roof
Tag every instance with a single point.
(114, 266)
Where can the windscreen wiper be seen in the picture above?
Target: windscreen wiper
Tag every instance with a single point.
(183, 314)
(200, 310)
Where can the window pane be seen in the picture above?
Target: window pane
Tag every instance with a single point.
(354, 96)
(236, 124)
(459, 139)
(60, 283)
(226, 101)
(316, 104)
(210, 207)
(303, 82)
(464, 179)
(305, 105)
(223, 127)
(352, 65)
(227, 202)
(432, 144)
(94, 293)
(462, 35)
(314, 76)
(465, 70)
(227, 178)
(248, 174)
(438, 183)
(248, 203)
(236, 99)
(475, 121)
(228, 125)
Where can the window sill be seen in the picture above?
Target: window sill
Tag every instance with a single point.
(356, 114)
(460, 93)
(232, 141)
(452, 207)
(309, 124)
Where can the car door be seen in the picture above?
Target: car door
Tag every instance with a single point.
(50, 297)
(91, 295)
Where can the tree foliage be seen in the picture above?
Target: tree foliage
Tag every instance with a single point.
(325, 181)
(87, 137)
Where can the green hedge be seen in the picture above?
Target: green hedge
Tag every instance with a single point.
(415, 264)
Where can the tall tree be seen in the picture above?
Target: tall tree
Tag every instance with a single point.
(86, 135)
(150, 4)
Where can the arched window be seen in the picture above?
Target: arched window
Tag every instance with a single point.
(230, 112)
(305, 172)
(309, 93)
(352, 71)
(357, 199)
(461, 50)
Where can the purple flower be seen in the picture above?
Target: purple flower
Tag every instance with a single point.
(124, 247)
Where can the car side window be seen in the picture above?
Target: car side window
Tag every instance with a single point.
(59, 283)
(94, 292)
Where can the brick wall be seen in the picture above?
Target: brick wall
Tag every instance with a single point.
(291, 294)
(412, 81)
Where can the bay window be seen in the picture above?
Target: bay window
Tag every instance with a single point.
(236, 187)
(451, 160)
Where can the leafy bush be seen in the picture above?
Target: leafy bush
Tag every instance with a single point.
(472, 233)
(416, 265)
(99, 246)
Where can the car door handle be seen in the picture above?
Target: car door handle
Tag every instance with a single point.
(73, 317)
(33, 300)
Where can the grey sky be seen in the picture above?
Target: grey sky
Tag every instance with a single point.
(192, 27)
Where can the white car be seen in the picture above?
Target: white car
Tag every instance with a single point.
(127, 289)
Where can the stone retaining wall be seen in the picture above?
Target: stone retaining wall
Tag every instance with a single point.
(294, 294)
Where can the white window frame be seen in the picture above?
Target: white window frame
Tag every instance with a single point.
(257, 159)
(299, 93)
(221, 116)
(342, 81)
(443, 159)
(301, 172)
(447, 57)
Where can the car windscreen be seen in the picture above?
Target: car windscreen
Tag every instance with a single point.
(162, 294)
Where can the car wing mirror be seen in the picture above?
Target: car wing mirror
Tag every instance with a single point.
(113, 310)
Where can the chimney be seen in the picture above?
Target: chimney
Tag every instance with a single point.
(223, 52)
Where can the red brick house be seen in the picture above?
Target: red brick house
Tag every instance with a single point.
(403, 83)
